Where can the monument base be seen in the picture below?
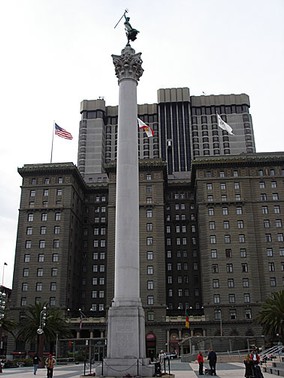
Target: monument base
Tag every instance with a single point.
(125, 367)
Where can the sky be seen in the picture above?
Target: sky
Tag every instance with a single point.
(56, 53)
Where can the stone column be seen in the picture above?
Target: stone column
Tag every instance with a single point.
(126, 349)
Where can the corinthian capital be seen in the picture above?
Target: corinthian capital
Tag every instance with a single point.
(128, 65)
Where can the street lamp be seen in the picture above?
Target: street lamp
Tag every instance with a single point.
(42, 320)
(3, 299)
(40, 332)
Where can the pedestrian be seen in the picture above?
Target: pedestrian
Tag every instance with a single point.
(49, 363)
(255, 359)
(36, 360)
(248, 367)
(212, 358)
(200, 360)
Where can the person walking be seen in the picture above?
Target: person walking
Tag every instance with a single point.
(200, 360)
(212, 358)
(35, 362)
(50, 363)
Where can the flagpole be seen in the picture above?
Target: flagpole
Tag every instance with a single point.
(52, 142)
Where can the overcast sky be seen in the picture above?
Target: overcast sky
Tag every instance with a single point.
(56, 53)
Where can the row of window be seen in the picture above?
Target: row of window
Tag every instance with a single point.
(41, 257)
(39, 286)
(46, 180)
(44, 216)
(227, 239)
(51, 302)
(222, 186)
(40, 271)
(43, 230)
(42, 244)
(261, 172)
(231, 298)
(244, 267)
(182, 266)
(45, 192)
(243, 253)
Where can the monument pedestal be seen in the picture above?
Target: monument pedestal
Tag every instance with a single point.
(126, 332)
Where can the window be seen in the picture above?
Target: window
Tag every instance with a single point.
(149, 227)
(215, 284)
(240, 224)
(242, 238)
(59, 192)
(42, 230)
(216, 298)
(262, 185)
(276, 209)
(149, 213)
(150, 316)
(233, 314)
(244, 267)
(149, 241)
(27, 258)
(28, 244)
(223, 197)
(229, 268)
(55, 257)
(226, 225)
(210, 198)
(215, 268)
(243, 252)
(245, 282)
(214, 253)
(209, 186)
(248, 314)
(235, 173)
(222, 174)
(228, 253)
(281, 252)
(271, 267)
(56, 243)
(44, 217)
(223, 186)
(275, 196)
(213, 239)
(29, 231)
(246, 298)
(40, 257)
(150, 255)
(45, 192)
(150, 299)
(225, 211)
(210, 211)
(231, 282)
(150, 285)
(239, 210)
(57, 216)
(39, 286)
(148, 177)
(102, 268)
(278, 223)
(263, 197)
(227, 239)
(52, 286)
(273, 184)
(232, 298)
(268, 238)
(54, 272)
(212, 225)
(269, 252)
(264, 210)
(266, 223)
(272, 281)
(32, 193)
(150, 269)
(280, 237)
(57, 230)
(30, 217)
(237, 185)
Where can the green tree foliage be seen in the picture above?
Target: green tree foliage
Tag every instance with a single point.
(271, 315)
(55, 324)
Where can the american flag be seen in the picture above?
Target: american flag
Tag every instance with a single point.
(62, 133)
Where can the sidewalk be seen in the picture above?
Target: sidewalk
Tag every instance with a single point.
(179, 369)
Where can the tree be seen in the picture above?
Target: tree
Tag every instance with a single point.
(54, 326)
(271, 315)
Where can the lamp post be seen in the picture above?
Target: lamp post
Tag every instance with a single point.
(3, 298)
(40, 332)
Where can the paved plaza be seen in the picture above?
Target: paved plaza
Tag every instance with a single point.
(178, 368)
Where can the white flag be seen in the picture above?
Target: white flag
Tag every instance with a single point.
(145, 127)
(224, 126)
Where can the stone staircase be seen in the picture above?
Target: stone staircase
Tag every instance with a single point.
(275, 367)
